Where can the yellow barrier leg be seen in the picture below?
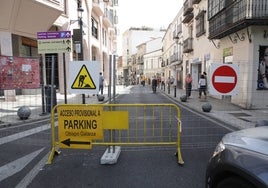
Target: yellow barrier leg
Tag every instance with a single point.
(180, 160)
(51, 156)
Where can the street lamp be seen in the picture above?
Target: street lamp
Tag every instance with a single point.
(80, 22)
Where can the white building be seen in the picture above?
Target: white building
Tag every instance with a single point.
(92, 24)
(205, 32)
(227, 33)
(153, 58)
(130, 40)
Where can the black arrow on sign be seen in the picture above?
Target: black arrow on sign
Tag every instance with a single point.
(68, 49)
(68, 142)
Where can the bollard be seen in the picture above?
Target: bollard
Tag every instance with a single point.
(100, 97)
(24, 112)
(183, 98)
(175, 91)
(206, 107)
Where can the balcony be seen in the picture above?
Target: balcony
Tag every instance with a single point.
(188, 18)
(174, 58)
(237, 16)
(16, 18)
(196, 1)
(188, 45)
(108, 18)
(187, 7)
(97, 7)
(140, 60)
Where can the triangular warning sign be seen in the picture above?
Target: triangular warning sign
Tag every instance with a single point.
(83, 80)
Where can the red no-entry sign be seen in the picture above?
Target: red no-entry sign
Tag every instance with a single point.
(224, 79)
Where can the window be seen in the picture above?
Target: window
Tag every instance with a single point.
(215, 6)
(94, 26)
(28, 47)
(200, 23)
(104, 37)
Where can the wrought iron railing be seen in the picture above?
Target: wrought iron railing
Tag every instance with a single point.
(237, 16)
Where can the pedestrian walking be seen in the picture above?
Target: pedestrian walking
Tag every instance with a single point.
(163, 83)
(101, 80)
(143, 80)
(205, 76)
(202, 85)
(154, 84)
(172, 80)
(188, 85)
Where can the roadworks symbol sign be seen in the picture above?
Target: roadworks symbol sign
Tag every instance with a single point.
(83, 80)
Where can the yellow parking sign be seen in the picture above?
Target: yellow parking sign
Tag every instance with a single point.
(79, 125)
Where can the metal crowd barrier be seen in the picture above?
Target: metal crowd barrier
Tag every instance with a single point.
(83, 126)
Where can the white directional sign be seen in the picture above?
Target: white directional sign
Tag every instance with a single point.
(224, 79)
(54, 42)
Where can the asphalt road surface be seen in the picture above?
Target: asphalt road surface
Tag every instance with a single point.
(25, 149)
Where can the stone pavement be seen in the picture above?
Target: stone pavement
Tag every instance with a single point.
(221, 109)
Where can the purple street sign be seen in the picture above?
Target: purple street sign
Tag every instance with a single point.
(54, 35)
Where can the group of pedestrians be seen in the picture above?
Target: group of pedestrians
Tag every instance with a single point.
(202, 85)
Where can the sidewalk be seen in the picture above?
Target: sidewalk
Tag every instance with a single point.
(8, 110)
(222, 110)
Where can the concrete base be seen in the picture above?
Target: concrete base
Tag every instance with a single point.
(110, 157)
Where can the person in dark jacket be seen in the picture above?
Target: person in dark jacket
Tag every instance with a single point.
(154, 84)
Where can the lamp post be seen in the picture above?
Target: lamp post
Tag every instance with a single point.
(80, 22)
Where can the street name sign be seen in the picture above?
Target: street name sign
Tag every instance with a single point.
(54, 42)
(224, 79)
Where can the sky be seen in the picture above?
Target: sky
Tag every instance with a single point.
(150, 13)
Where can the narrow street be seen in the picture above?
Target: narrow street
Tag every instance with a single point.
(137, 166)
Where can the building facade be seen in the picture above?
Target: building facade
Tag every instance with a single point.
(152, 59)
(131, 39)
(92, 24)
(208, 32)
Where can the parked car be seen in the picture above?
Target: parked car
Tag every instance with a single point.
(240, 160)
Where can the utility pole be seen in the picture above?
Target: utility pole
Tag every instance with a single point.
(80, 22)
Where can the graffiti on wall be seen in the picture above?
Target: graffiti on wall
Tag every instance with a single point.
(19, 73)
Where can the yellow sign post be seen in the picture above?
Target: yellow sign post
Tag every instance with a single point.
(77, 126)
